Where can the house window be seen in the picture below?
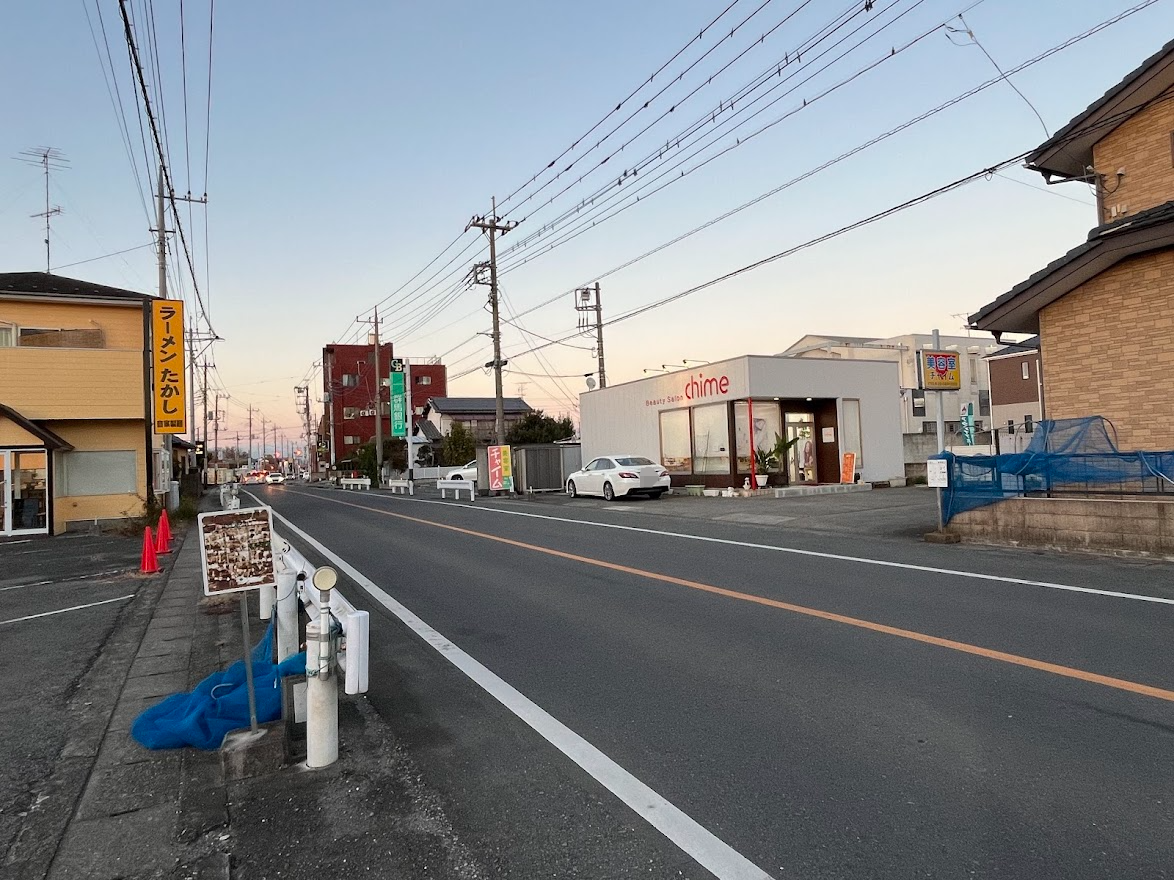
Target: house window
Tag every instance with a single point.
(675, 446)
(422, 380)
(974, 371)
(1028, 427)
(41, 337)
(918, 402)
(984, 402)
(98, 473)
(7, 335)
(850, 433)
(351, 440)
(1026, 370)
(350, 412)
(349, 380)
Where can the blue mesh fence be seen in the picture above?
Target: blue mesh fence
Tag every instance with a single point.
(1065, 456)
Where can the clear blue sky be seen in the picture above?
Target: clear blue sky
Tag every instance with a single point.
(350, 142)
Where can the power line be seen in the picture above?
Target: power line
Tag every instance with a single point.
(104, 256)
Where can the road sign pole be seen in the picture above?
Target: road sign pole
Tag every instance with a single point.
(249, 662)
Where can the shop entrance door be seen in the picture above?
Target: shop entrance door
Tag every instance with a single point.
(24, 492)
(800, 427)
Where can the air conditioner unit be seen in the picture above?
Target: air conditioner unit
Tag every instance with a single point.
(366, 412)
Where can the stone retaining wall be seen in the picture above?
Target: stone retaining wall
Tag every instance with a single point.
(1108, 524)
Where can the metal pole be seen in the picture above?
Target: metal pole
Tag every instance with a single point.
(378, 410)
(287, 614)
(248, 661)
(499, 412)
(409, 416)
(321, 694)
(941, 424)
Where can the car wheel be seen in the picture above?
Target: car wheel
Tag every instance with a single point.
(571, 491)
(609, 494)
(656, 494)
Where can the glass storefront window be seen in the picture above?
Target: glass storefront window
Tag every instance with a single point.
(30, 475)
(768, 427)
(711, 439)
(850, 437)
(675, 447)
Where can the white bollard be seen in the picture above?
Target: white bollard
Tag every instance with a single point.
(321, 696)
(287, 614)
(266, 596)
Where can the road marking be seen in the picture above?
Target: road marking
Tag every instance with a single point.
(4, 544)
(839, 557)
(713, 854)
(73, 580)
(63, 610)
(860, 623)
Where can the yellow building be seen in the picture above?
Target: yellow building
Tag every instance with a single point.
(1104, 311)
(76, 439)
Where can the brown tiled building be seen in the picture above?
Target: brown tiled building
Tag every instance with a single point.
(1104, 311)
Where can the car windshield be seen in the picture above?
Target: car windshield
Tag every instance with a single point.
(633, 461)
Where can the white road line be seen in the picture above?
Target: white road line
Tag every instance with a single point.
(4, 544)
(75, 580)
(63, 610)
(861, 560)
(708, 850)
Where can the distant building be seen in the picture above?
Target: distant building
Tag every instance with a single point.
(918, 409)
(1016, 383)
(350, 399)
(477, 414)
(1104, 311)
(77, 445)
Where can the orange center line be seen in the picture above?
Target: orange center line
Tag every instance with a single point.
(912, 635)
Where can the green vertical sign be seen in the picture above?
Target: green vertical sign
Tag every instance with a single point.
(399, 420)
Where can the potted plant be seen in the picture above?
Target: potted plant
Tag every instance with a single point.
(764, 463)
(778, 453)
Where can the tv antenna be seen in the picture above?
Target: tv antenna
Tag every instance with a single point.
(48, 158)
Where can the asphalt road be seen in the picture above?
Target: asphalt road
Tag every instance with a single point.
(826, 703)
(48, 643)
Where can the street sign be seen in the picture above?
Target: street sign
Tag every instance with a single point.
(397, 383)
(236, 548)
(940, 371)
(501, 469)
(397, 365)
(399, 421)
(168, 391)
(937, 472)
(848, 468)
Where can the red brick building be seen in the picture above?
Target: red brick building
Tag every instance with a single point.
(352, 395)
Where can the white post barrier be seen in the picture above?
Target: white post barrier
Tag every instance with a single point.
(321, 696)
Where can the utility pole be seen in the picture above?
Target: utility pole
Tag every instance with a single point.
(250, 455)
(204, 435)
(378, 399)
(48, 158)
(584, 305)
(492, 225)
(236, 450)
(216, 424)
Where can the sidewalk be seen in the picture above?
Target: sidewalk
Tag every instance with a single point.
(111, 809)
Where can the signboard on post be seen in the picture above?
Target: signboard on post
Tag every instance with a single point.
(940, 371)
(399, 420)
(167, 357)
(236, 548)
(937, 473)
(501, 469)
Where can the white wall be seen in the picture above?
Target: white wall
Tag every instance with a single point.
(625, 418)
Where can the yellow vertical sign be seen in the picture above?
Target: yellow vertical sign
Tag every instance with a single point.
(167, 356)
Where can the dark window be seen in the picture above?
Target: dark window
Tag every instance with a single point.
(1010, 426)
(349, 380)
(984, 402)
(1028, 427)
(918, 402)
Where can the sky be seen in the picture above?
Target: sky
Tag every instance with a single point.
(343, 147)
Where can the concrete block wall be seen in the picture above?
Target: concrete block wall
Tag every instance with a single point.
(1109, 524)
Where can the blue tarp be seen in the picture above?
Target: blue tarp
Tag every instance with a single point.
(219, 703)
(1064, 455)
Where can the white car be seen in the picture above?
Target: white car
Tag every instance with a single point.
(468, 472)
(617, 476)
(275, 477)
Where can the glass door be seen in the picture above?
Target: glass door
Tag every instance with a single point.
(5, 495)
(25, 491)
(800, 427)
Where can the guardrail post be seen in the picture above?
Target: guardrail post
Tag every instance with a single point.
(287, 614)
(321, 693)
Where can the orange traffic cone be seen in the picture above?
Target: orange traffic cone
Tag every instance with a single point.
(150, 563)
(163, 539)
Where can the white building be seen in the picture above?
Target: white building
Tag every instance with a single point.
(918, 409)
(698, 422)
